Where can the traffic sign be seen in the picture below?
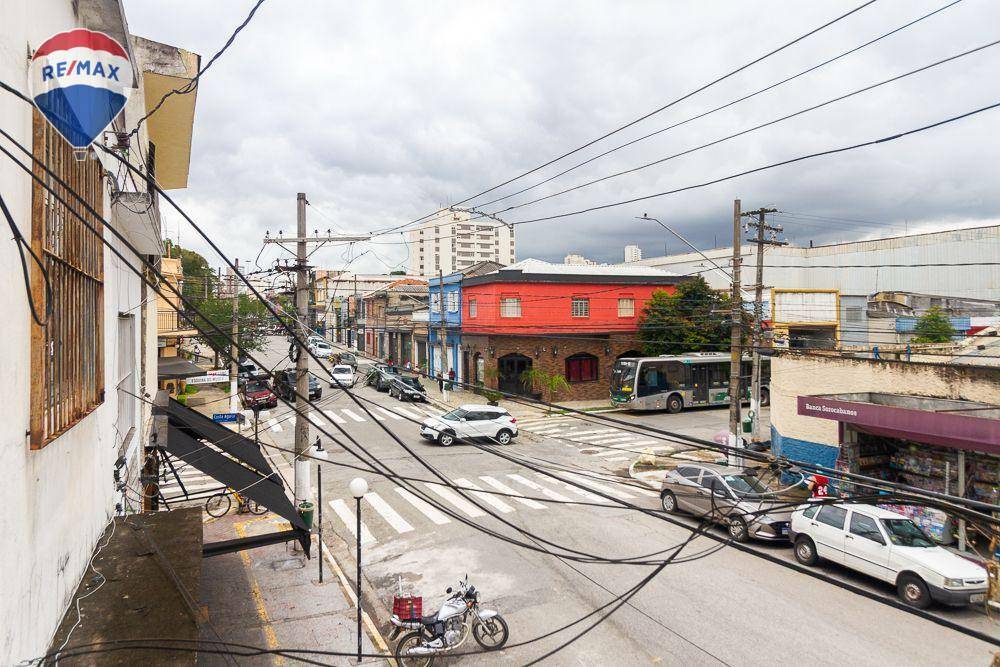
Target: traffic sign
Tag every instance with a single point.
(223, 417)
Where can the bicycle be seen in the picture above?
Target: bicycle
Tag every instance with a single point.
(220, 504)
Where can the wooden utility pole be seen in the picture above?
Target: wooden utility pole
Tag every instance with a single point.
(735, 349)
(758, 314)
(302, 293)
(234, 368)
(444, 340)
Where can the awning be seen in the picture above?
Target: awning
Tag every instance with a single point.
(176, 368)
(197, 440)
(951, 423)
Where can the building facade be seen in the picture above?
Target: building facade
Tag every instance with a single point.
(74, 423)
(633, 253)
(455, 240)
(565, 320)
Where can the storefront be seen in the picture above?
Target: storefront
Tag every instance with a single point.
(935, 444)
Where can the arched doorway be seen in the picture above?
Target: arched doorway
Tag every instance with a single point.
(510, 367)
(630, 354)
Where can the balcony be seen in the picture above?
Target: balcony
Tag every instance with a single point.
(173, 323)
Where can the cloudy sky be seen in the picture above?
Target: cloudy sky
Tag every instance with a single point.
(383, 111)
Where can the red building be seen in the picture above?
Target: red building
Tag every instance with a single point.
(571, 320)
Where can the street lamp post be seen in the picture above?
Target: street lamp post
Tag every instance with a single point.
(320, 453)
(359, 487)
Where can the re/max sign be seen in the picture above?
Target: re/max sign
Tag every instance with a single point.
(90, 67)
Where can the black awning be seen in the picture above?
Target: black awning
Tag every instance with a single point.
(174, 368)
(241, 467)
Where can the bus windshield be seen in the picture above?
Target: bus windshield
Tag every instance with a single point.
(623, 376)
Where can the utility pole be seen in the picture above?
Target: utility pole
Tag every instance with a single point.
(234, 368)
(735, 351)
(758, 314)
(302, 294)
(443, 334)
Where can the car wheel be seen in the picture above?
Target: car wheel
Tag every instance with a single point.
(675, 404)
(446, 439)
(765, 397)
(504, 436)
(805, 551)
(669, 502)
(913, 591)
(737, 529)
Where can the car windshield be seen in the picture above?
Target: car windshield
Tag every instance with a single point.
(342, 370)
(412, 382)
(905, 533)
(346, 356)
(623, 373)
(455, 415)
(746, 485)
(256, 387)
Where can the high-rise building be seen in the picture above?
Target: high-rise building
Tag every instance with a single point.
(633, 253)
(578, 260)
(453, 240)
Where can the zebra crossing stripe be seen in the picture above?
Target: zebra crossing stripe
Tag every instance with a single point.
(334, 416)
(423, 507)
(538, 487)
(431, 413)
(387, 412)
(391, 516)
(617, 458)
(275, 426)
(468, 508)
(349, 519)
(610, 452)
(591, 435)
(503, 488)
(612, 438)
(593, 497)
(609, 489)
(485, 497)
(352, 415)
(409, 413)
(316, 421)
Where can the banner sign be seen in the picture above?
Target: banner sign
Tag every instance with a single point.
(80, 81)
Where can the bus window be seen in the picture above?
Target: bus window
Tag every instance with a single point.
(676, 375)
(719, 375)
(623, 376)
(652, 378)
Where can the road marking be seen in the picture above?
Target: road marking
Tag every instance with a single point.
(352, 415)
(264, 414)
(592, 435)
(575, 489)
(316, 421)
(634, 443)
(411, 414)
(611, 438)
(387, 412)
(424, 507)
(431, 413)
(485, 497)
(604, 487)
(617, 458)
(349, 519)
(275, 426)
(538, 487)
(455, 500)
(334, 416)
(389, 514)
(609, 452)
(503, 488)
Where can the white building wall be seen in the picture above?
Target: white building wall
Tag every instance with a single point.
(453, 240)
(783, 265)
(58, 500)
(633, 253)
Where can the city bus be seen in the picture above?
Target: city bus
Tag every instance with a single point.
(675, 382)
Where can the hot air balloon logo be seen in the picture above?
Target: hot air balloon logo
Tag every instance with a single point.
(80, 80)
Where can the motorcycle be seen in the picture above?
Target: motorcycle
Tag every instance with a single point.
(449, 628)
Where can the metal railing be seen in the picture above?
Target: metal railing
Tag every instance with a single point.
(171, 320)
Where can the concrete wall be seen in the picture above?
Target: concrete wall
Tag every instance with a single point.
(58, 500)
(810, 438)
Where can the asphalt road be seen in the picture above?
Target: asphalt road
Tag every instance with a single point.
(727, 607)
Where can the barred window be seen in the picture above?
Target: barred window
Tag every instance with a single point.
(626, 307)
(473, 308)
(581, 367)
(67, 355)
(510, 306)
(581, 307)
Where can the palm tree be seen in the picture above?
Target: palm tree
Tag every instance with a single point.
(550, 384)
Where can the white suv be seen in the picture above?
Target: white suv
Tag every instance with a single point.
(887, 546)
(471, 422)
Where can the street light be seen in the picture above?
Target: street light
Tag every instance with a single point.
(359, 487)
(320, 453)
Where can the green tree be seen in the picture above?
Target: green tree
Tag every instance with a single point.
(255, 324)
(933, 327)
(549, 384)
(695, 318)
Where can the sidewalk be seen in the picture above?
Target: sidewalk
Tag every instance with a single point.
(271, 597)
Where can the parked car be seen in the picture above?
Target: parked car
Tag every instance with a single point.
(740, 499)
(284, 385)
(407, 388)
(471, 422)
(247, 370)
(344, 375)
(381, 375)
(890, 547)
(320, 348)
(257, 395)
(348, 359)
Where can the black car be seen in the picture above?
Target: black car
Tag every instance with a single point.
(381, 375)
(284, 385)
(407, 388)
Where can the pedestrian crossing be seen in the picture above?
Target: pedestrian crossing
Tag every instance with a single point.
(385, 515)
(607, 443)
(196, 483)
(352, 415)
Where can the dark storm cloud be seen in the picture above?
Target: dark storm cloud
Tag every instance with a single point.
(381, 112)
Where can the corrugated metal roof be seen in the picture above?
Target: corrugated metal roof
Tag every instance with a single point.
(541, 267)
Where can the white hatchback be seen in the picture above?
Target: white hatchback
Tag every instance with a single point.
(471, 422)
(887, 546)
(344, 375)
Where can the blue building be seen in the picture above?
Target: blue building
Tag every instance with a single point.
(446, 309)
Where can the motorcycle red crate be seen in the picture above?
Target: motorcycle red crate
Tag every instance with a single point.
(407, 607)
